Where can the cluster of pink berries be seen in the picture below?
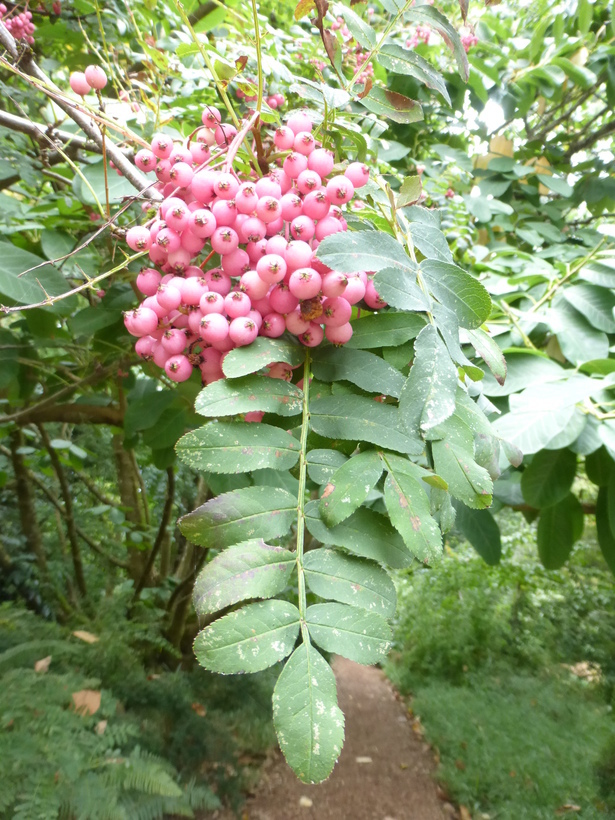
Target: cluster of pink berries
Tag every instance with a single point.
(273, 100)
(264, 233)
(82, 82)
(20, 25)
(469, 40)
(422, 34)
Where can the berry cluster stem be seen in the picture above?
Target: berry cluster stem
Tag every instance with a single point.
(305, 426)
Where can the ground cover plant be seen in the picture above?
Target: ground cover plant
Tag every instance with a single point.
(326, 249)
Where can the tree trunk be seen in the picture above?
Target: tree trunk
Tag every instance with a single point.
(25, 503)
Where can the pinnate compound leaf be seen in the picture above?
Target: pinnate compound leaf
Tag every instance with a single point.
(249, 570)
(467, 481)
(230, 518)
(480, 528)
(355, 417)
(428, 396)
(349, 487)
(459, 291)
(549, 477)
(355, 581)
(366, 370)
(322, 464)
(227, 397)
(263, 351)
(308, 722)
(559, 527)
(360, 636)
(249, 639)
(491, 354)
(238, 447)
(406, 61)
(385, 330)
(365, 533)
(409, 510)
(353, 251)
(400, 290)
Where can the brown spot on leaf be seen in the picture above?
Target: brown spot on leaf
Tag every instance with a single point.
(328, 490)
(416, 523)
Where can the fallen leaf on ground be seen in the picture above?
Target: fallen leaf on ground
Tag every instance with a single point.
(100, 727)
(567, 807)
(305, 802)
(363, 759)
(85, 636)
(87, 701)
(464, 814)
(43, 664)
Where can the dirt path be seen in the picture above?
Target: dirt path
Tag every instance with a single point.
(384, 772)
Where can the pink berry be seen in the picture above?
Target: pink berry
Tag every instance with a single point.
(294, 164)
(173, 341)
(79, 84)
(295, 323)
(321, 161)
(211, 117)
(268, 208)
(145, 160)
(162, 146)
(211, 302)
(291, 206)
(225, 134)
(303, 228)
(96, 77)
(298, 255)
(236, 262)
(254, 416)
(178, 217)
(144, 347)
(138, 238)
(243, 331)
(218, 281)
(284, 138)
(148, 281)
(358, 174)
(280, 370)
(336, 311)
(299, 122)
(334, 284)
(316, 205)
(169, 297)
(181, 174)
(253, 285)
(278, 245)
(282, 300)
(271, 268)
(202, 223)
(339, 335)
(237, 304)
(273, 325)
(178, 368)
(326, 227)
(304, 143)
(143, 321)
(226, 186)
(200, 153)
(372, 297)
(224, 240)
(225, 212)
(246, 198)
(266, 186)
(214, 328)
(355, 290)
(339, 190)
(313, 336)
(305, 283)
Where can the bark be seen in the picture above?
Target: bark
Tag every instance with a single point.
(129, 489)
(162, 529)
(25, 503)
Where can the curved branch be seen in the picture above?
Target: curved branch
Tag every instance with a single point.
(164, 523)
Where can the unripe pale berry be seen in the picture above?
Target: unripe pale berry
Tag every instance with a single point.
(79, 84)
(96, 77)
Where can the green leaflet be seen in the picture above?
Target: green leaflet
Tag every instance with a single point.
(466, 480)
(408, 507)
(355, 634)
(594, 303)
(249, 639)
(384, 330)
(406, 61)
(263, 351)
(491, 354)
(33, 287)
(362, 32)
(457, 290)
(432, 17)
(256, 512)
(549, 477)
(482, 531)
(355, 417)
(349, 487)
(249, 570)
(428, 396)
(400, 290)
(238, 447)
(308, 722)
(559, 527)
(365, 533)
(332, 575)
(352, 251)
(394, 106)
(322, 464)
(366, 370)
(227, 397)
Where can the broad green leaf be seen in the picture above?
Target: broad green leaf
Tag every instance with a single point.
(349, 487)
(480, 528)
(353, 251)
(598, 467)
(385, 330)
(169, 427)
(409, 192)
(230, 518)
(355, 417)
(548, 479)
(594, 303)
(434, 19)
(249, 570)
(355, 581)
(365, 533)
(249, 639)
(409, 510)
(523, 370)
(366, 370)
(579, 340)
(263, 351)
(394, 106)
(430, 241)
(118, 186)
(559, 527)
(428, 396)
(308, 722)
(442, 509)
(228, 397)
(238, 447)
(606, 539)
(362, 32)
(400, 290)
(599, 273)
(31, 287)
(490, 353)
(145, 406)
(532, 431)
(555, 184)
(360, 636)
(322, 464)
(406, 61)
(467, 481)
(457, 290)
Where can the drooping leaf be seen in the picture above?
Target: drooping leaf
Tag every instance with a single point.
(353, 251)
(238, 447)
(355, 417)
(263, 351)
(606, 539)
(409, 510)
(559, 527)
(457, 290)
(365, 533)
(308, 722)
(599, 466)
(227, 397)
(249, 639)
(428, 396)
(385, 330)
(366, 370)
(362, 32)
(467, 481)
(489, 351)
(360, 636)
(249, 570)
(355, 581)
(579, 340)
(548, 478)
(406, 61)
(394, 106)
(481, 530)
(230, 518)
(349, 486)
(433, 18)
(533, 430)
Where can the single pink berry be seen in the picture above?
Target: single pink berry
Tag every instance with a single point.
(303, 228)
(334, 284)
(218, 281)
(169, 297)
(271, 268)
(339, 335)
(299, 122)
(211, 303)
(145, 160)
(237, 304)
(224, 240)
(138, 238)
(246, 198)
(268, 208)
(96, 77)
(79, 84)
(236, 263)
(253, 285)
(282, 300)
(211, 117)
(273, 325)
(295, 323)
(358, 174)
(294, 164)
(162, 146)
(144, 347)
(313, 336)
(372, 298)
(321, 161)
(339, 190)
(336, 311)
(280, 370)
(141, 322)
(178, 368)
(304, 283)
(147, 281)
(174, 341)
(226, 186)
(243, 331)
(355, 290)
(298, 255)
(266, 186)
(202, 223)
(214, 328)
